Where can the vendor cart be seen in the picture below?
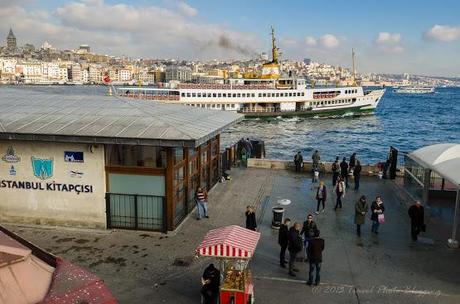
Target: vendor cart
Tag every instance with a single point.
(234, 247)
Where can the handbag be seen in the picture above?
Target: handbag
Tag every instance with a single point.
(381, 218)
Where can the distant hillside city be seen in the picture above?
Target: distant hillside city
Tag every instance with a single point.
(47, 65)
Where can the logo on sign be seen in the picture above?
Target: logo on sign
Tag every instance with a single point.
(73, 157)
(12, 171)
(76, 174)
(43, 168)
(10, 156)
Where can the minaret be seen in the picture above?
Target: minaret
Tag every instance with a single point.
(11, 41)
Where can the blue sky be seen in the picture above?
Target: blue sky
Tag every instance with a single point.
(420, 37)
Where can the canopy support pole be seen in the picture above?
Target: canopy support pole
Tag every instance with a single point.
(452, 242)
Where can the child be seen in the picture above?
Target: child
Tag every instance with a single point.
(250, 218)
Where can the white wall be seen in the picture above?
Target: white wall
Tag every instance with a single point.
(79, 203)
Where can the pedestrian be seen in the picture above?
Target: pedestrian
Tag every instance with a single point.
(377, 210)
(340, 192)
(417, 219)
(294, 247)
(283, 240)
(361, 208)
(316, 158)
(308, 231)
(344, 170)
(352, 162)
(211, 283)
(251, 222)
(335, 170)
(357, 174)
(315, 252)
(249, 148)
(321, 195)
(298, 162)
(201, 198)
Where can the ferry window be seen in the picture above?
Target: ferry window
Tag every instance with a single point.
(260, 94)
(234, 94)
(277, 94)
(253, 94)
(188, 94)
(224, 94)
(193, 94)
(213, 106)
(209, 94)
(238, 95)
(233, 105)
(199, 94)
(219, 95)
(303, 94)
(183, 94)
(202, 105)
(214, 94)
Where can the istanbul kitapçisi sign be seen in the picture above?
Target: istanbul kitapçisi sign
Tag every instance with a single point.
(43, 169)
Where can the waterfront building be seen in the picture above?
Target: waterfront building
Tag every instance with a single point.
(75, 73)
(104, 161)
(96, 73)
(178, 73)
(124, 75)
(63, 73)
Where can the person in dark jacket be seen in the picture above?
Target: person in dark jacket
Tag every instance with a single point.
(344, 170)
(294, 247)
(298, 161)
(417, 219)
(352, 162)
(315, 252)
(335, 171)
(315, 160)
(377, 208)
(283, 240)
(357, 174)
(321, 195)
(211, 284)
(361, 208)
(308, 231)
(340, 192)
(251, 222)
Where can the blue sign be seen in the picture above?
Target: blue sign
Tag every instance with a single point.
(73, 157)
(43, 168)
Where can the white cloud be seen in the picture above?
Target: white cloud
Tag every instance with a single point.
(329, 41)
(187, 9)
(389, 42)
(444, 33)
(310, 41)
(139, 31)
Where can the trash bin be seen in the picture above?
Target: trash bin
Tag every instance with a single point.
(277, 220)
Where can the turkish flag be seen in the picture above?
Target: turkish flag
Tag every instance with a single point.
(106, 79)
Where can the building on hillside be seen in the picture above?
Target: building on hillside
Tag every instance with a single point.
(178, 73)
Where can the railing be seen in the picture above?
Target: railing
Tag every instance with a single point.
(150, 96)
(137, 212)
(225, 86)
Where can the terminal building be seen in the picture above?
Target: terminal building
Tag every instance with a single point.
(104, 161)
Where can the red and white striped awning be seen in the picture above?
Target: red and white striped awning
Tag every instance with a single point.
(229, 242)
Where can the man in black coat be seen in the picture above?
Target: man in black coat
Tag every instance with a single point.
(294, 247)
(298, 161)
(344, 170)
(417, 219)
(315, 252)
(251, 222)
(308, 231)
(357, 174)
(211, 284)
(283, 240)
(335, 171)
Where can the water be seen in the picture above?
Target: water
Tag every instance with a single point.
(404, 121)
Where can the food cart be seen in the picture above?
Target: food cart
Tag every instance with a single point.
(234, 247)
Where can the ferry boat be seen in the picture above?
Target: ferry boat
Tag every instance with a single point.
(267, 94)
(414, 90)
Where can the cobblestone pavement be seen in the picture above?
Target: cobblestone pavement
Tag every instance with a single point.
(139, 267)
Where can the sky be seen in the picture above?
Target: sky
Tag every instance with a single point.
(416, 37)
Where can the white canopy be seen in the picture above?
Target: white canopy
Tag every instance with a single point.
(444, 159)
